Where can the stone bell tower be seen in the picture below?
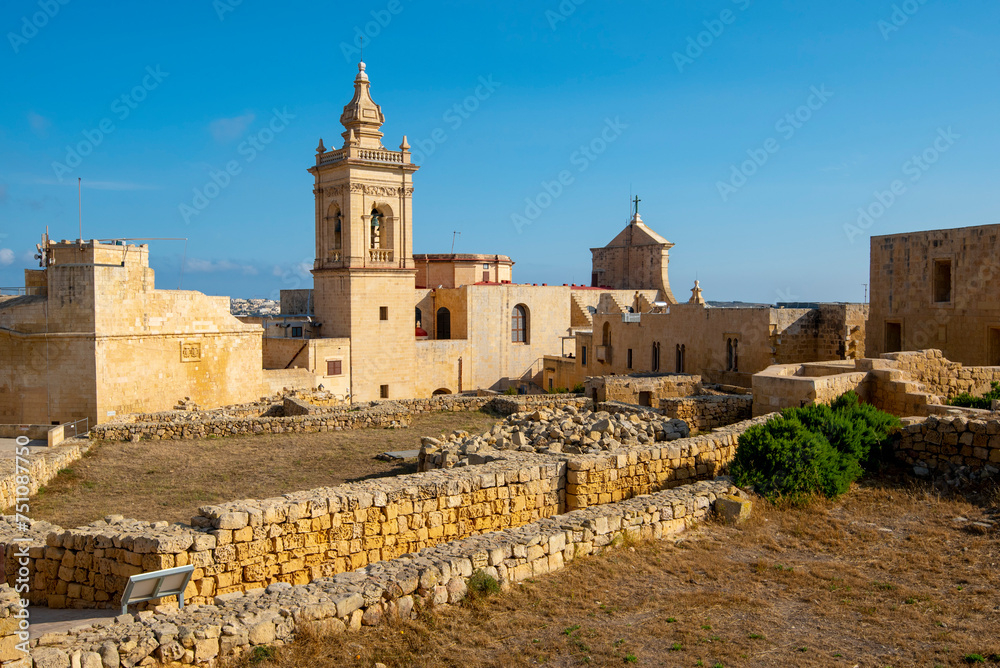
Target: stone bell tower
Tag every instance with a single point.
(364, 273)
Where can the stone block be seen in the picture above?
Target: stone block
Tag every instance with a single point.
(732, 509)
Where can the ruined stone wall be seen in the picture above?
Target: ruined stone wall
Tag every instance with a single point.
(709, 411)
(381, 592)
(941, 444)
(943, 377)
(41, 467)
(630, 389)
(608, 478)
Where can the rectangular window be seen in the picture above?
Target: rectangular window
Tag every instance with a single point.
(942, 281)
(296, 332)
(583, 355)
(383, 312)
(628, 359)
(893, 337)
(550, 384)
(383, 391)
(486, 265)
(334, 367)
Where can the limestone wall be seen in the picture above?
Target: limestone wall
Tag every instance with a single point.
(41, 467)
(706, 412)
(379, 592)
(608, 478)
(638, 389)
(942, 444)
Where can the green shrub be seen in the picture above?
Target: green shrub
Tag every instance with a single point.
(510, 391)
(985, 402)
(483, 583)
(817, 448)
(579, 388)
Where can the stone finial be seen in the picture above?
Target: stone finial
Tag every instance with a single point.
(696, 297)
(320, 148)
(405, 146)
(361, 115)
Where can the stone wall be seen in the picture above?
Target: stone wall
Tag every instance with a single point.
(379, 592)
(608, 478)
(238, 421)
(646, 390)
(11, 655)
(943, 377)
(42, 467)
(943, 444)
(707, 412)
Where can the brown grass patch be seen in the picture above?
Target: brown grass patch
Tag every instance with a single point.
(169, 480)
(881, 577)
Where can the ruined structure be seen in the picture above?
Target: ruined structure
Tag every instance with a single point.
(937, 289)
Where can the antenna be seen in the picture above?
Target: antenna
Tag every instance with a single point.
(453, 235)
(866, 293)
(362, 48)
(79, 192)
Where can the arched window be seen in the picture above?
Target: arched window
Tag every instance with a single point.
(729, 354)
(678, 360)
(606, 335)
(337, 236)
(420, 317)
(656, 357)
(376, 228)
(519, 324)
(736, 354)
(443, 323)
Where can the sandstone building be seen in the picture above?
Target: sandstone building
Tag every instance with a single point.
(94, 338)
(938, 289)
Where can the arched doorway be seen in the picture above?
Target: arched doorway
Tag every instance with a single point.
(443, 323)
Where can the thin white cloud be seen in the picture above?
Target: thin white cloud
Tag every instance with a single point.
(6, 257)
(229, 129)
(39, 124)
(198, 266)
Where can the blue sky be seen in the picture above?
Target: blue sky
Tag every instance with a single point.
(829, 103)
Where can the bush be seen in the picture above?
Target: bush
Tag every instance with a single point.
(482, 585)
(579, 388)
(813, 449)
(559, 390)
(510, 391)
(985, 402)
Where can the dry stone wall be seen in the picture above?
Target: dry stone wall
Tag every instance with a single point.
(377, 592)
(42, 466)
(955, 447)
(375, 414)
(709, 411)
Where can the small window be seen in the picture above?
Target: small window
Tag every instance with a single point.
(942, 281)
(486, 266)
(296, 332)
(893, 337)
(583, 355)
(656, 357)
(550, 384)
(334, 367)
(519, 324)
(420, 317)
(383, 312)
(628, 359)
(383, 391)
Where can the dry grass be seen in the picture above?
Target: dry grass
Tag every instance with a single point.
(169, 480)
(881, 577)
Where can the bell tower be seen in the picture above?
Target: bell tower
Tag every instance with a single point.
(364, 274)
